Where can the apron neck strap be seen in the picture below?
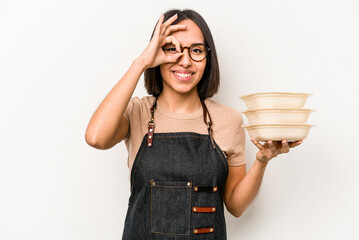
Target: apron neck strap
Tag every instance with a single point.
(153, 108)
(151, 123)
(208, 123)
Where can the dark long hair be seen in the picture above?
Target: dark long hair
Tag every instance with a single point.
(209, 84)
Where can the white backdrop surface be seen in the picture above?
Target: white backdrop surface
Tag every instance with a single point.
(58, 60)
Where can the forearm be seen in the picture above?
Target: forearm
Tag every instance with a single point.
(105, 122)
(245, 191)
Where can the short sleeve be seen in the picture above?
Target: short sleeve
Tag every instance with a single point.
(129, 108)
(236, 156)
(129, 112)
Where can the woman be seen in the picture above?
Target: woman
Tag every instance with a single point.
(186, 152)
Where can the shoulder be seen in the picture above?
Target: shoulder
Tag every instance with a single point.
(228, 131)
(223, 113)
(139, 106)
(141, 103)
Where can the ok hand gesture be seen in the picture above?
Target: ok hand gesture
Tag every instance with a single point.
(153, 55)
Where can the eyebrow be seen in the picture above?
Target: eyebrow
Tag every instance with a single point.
(197, 43)
(189, 45)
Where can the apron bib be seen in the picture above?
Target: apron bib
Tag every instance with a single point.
(177, 183)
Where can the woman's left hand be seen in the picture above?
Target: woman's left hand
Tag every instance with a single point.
(271, 149)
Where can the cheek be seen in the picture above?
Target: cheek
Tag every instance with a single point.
(164, 69)
(202, 67)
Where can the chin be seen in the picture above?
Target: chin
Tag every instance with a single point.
(183, 89)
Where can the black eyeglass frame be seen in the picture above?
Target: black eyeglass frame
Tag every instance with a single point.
(189, 48)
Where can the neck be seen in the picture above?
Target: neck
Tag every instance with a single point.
(180, 103)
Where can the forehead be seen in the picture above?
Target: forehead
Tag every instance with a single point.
(192, 33)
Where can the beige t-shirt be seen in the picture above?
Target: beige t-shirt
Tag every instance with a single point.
(227, 126)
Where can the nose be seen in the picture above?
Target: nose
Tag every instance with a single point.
(185, 60)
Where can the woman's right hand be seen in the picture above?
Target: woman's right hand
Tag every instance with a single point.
(154, 55)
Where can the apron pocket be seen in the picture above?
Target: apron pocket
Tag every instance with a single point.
(171, 207)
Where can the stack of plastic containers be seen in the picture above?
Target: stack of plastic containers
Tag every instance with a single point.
(277, 116)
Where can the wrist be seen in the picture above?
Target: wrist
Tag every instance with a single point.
(140, 63)
(261, 162)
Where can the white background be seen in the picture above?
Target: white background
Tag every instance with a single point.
(59, 59)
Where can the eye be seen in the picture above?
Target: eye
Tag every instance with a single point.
(198, 49)
(170, 49)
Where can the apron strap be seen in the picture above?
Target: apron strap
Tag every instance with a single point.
(151, 124)
(209, 123)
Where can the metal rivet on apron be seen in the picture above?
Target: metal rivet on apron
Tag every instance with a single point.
(211, 230)
(189, 184)
(195, 231)
(194, 209)
(215, 189)
(195, 188)
(213, 209)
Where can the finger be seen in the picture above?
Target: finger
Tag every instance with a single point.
(258, 145)
(172, 39)
(272, 148)
(285, 147)
(173, 58)
(296, 143)
(277, 144)
(174, 28)
(170, 21)
(167, 23)
(159, 23)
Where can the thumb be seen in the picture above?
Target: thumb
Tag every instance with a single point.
(296, 143)
(173, 58)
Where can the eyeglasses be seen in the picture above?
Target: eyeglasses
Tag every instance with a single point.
(197, 52)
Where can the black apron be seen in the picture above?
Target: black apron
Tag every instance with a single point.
(177, 183)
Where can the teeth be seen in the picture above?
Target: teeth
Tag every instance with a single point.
(183, 75)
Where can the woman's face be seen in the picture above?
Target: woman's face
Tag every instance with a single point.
(183, 76)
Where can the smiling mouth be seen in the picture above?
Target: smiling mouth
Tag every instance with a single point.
(183, 75)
